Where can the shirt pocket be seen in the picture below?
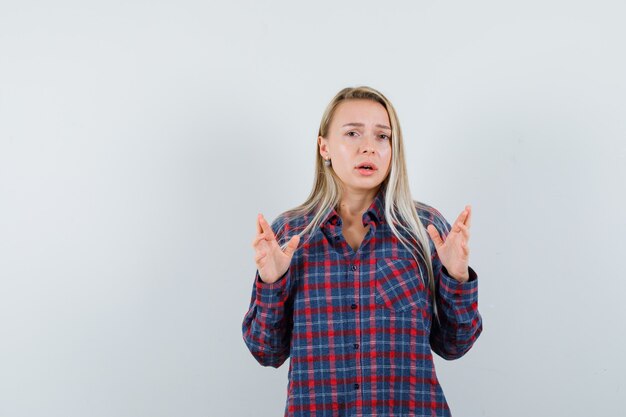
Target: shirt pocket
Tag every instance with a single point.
(399, 285)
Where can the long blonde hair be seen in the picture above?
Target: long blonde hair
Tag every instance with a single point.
(400, 209)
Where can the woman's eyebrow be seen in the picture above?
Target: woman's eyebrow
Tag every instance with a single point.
(361, 125)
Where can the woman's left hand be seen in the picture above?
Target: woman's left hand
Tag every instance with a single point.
(454, 252)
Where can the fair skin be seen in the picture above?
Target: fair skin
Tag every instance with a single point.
(360, 133)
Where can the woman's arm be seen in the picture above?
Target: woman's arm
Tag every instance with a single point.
(459, 323)
(456, 286)
(267, 324)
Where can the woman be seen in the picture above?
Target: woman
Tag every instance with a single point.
(360, 284)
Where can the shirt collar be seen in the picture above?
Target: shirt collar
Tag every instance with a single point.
(377, 208)
(375, 212)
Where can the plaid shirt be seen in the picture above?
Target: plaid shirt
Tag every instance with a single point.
(359, 325)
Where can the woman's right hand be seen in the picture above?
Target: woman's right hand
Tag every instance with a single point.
(270, 259)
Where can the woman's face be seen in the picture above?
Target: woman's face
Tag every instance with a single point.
(359, 134)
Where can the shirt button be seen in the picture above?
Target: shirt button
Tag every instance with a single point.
(353, 306)
(353, 267)
(356, 345)
(356, 386)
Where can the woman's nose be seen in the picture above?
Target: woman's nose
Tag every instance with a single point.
(367, 145)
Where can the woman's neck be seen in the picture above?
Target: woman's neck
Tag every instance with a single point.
(353, 205)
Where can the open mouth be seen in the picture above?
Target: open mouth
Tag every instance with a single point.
(368, 166)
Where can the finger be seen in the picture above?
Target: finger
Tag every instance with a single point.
(259, 230)
(257, 239)
(464, 230)
(468, 219)
(260, 255)
(292, 245)
(267, 229)
(462, 216)
(434, 235)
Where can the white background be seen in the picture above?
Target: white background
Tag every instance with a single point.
(139, 139)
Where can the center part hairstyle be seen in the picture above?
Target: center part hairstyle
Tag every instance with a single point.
(400, 209)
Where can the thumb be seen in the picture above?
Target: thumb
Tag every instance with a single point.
(292, 245)
(434, 235)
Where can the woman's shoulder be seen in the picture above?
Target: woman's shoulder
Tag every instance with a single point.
(430, 215)
(287, 224)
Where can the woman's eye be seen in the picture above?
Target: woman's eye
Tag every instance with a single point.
(384, 137)
(351, 133)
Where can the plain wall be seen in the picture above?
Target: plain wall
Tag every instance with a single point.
(139, 139)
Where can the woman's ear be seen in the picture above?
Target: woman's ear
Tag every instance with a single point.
(323, 145)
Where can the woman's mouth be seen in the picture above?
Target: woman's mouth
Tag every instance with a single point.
(366, 168)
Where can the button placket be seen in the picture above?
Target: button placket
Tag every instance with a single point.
(352, 273)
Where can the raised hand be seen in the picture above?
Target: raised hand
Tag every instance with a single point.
(271, 261)
(454, 252)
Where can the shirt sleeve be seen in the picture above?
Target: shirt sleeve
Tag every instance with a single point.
(268, 323)
(459, 323)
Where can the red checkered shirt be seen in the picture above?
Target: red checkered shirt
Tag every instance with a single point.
(359, 326)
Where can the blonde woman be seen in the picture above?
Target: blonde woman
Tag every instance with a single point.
(360, 284)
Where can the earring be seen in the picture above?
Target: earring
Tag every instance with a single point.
(327, 162)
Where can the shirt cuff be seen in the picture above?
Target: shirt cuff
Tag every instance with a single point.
(455, 290)
(271, 295)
